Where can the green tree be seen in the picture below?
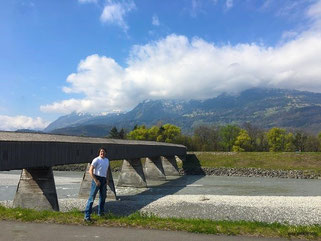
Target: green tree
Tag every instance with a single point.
(258, 137)
(276, 139)
(289, 142)
(140, 133)
(113, 133)
(152, 133)
(242, 142)
(228, 136)
(122, 134)
(168, 133)
(300, 140)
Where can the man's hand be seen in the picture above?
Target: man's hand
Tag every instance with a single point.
(97, 183)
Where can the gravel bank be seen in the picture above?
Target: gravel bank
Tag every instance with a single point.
(251, 172)
(290, 210)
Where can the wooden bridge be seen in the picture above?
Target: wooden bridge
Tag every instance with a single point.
(36, 154)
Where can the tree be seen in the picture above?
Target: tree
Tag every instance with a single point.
(300, 141)
(206, 138)
(242, 142)
(122, 134)
(113, 133)
(140, 133)
(228, 135)
(152, 133)
(257, 135)
(276, 139)
(312, 144)
(168, 133)
(289, 142)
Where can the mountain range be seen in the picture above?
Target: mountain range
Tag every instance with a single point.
(262, 107)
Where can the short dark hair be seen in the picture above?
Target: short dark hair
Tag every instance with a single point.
(101, 148)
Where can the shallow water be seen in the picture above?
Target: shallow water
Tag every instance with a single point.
(68, 184)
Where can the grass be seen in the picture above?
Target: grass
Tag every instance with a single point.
(307, 161)
(176, 224)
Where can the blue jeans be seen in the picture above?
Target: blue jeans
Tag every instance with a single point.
(102, 197)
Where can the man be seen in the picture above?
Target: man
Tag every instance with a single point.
(98, 172)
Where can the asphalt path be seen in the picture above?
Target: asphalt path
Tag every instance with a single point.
(15, 231)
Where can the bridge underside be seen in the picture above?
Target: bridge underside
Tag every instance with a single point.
(36, 188)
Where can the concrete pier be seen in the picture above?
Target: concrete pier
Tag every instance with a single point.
(36, 190)
(132, 174)
(86, 185)
(170, 166)
(153, 169)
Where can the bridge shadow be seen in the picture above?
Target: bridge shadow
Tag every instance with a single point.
(131, 202)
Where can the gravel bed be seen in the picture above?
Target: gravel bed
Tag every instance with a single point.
(289, 210)
(250, 172)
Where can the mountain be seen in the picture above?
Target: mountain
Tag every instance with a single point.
(73, 119)
(262, 107)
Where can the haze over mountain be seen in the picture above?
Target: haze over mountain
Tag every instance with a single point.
(260, 106)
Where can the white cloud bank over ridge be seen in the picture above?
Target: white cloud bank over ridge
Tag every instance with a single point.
(11, 123)
(180, 68)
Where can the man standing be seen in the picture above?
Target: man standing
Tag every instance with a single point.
(98, 172)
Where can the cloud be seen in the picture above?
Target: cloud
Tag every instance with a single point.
(87, 1)
(155, 20)
(114, 13)
(12, 123)
(314, 13)
(177, 67)
(229, 4)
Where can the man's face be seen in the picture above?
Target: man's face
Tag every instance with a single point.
(102, 153)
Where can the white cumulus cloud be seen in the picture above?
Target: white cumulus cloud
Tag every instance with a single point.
(182, 68)
(115, 12)
(12, 123)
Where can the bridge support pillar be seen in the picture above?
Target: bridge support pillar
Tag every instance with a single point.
(86, 184)
(153, 169)
(170, 166)
(132, 174)
(36, 190)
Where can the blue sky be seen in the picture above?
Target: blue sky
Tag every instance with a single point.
(101, 56)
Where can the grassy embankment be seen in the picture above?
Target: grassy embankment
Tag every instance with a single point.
(177, 224)
(307, 161)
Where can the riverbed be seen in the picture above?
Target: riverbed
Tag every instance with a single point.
(293, 201)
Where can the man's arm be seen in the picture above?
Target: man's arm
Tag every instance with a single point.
(91, 173)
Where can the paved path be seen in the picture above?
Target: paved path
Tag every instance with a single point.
(15, 231)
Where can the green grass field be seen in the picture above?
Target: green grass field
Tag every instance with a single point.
(310, 161)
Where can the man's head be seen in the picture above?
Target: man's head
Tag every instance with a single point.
(102, 152)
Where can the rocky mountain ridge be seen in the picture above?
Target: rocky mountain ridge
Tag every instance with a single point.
(262, 107)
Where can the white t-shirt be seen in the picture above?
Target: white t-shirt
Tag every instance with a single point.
(100, 166)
